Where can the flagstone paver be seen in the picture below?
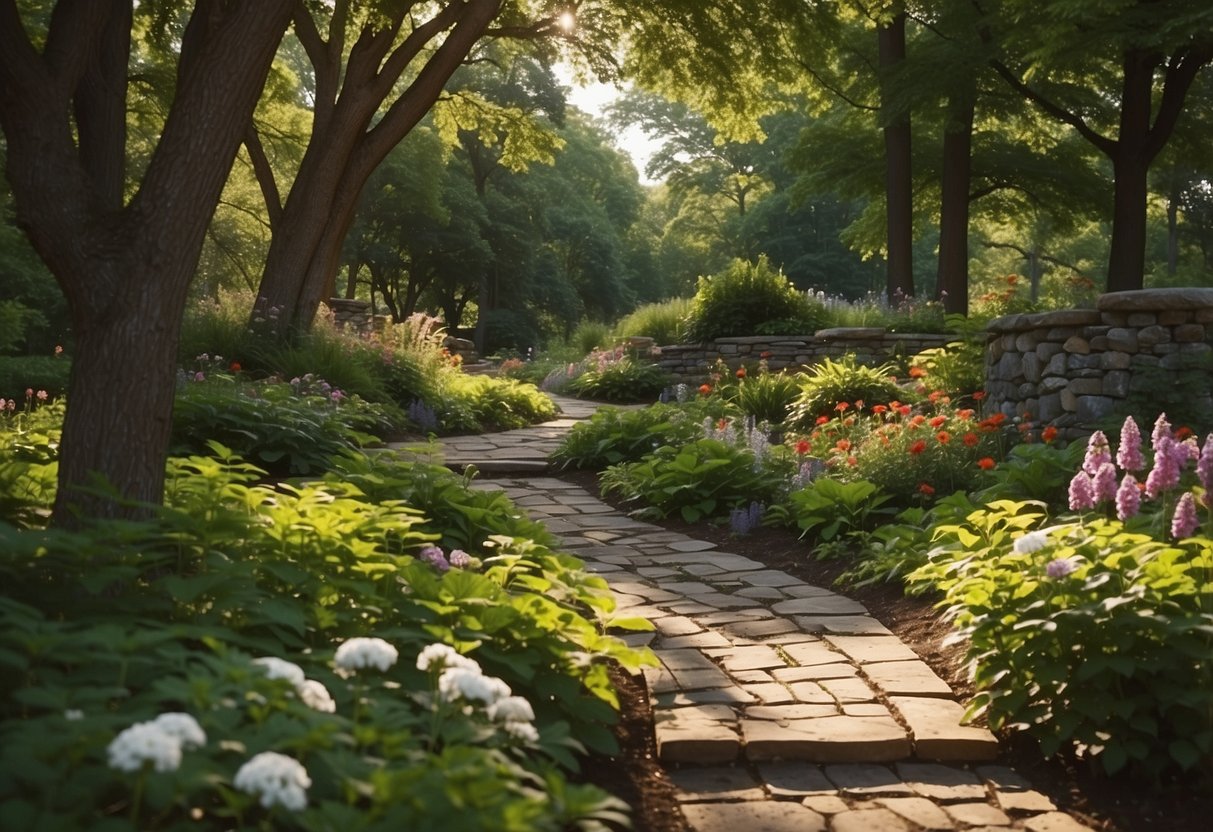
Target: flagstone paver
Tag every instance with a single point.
(777, 705)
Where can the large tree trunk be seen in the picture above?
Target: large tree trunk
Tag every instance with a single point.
(344, 150)
(124, 270)
(953, 276)
(1131, 159)
(891, 41)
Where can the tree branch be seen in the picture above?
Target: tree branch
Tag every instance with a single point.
(1103, 143)
(100, 108)
(835, 91)
(404, 54)
(1181, 72)
(264, 173)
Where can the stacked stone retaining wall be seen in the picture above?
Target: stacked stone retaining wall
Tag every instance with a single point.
(1077, 368)
(691, 363)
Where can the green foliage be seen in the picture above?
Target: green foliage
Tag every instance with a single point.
(487, 402)
(768, 397)
(29, 452)
(1035, 471)
(663, 322)
(745, 296)
(705, 478)
(120, 622)
(830, 382)
(827, 508)
(591, 336)
(612, 435)
(1086, 636)
(958, 369)
(36, 372)
(624, 379)
(287, 428)
(13, 317)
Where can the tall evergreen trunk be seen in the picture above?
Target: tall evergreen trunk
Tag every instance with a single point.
(952, 282)
(899, 193)
(124, 269)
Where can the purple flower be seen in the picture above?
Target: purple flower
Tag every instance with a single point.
(1128, 498)
(1165, 473)
(1098, 453)
(435, 558)
(1059, 568)
(1103, 482)
(1162, 430)
(1082, 492)
(199, 376)
(460, 559)
(1184, 523)
(1128, 456)
(1204, 469)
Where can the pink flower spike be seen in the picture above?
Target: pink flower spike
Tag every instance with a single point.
(1204, 465)
(1103, 483)
(1165, 473)
(1082, 494)
(1128, 456)
(1184, 523)
(1128, 498)
(1162, 429)
(1098, 453)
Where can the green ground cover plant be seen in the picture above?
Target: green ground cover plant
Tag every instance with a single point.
(302, 656)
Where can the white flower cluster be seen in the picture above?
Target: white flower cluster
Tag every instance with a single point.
(158, 742)
(277, 779)
(462, 678)
(312, 693)
(358, 653)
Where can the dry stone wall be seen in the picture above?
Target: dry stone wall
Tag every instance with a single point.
(691, 363)
(1076, 368)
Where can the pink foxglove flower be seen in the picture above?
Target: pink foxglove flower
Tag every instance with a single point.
(435, 558)
(1082, 493)
(1204, 469)
(1128, 498)
(1059, 568)
(1165, 473)
(1103, 483)
(1128, 456)
(1184, 523)
(1098, 453)
(1162, 429)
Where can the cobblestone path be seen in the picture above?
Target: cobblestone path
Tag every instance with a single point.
(778, 706)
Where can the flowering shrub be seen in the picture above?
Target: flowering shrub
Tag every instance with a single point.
(845, 380)
(289, 625)
(1093, 634)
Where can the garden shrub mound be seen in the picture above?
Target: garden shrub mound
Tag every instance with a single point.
(748, 299)
(380, 649)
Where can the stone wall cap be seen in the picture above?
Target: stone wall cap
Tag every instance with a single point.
(345, 303)
(851, 332)
(1155, 300)
(1042, 320)
(749, 339)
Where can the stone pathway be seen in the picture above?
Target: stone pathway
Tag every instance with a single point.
(777, 705)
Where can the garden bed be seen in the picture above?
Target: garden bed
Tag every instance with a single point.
(1116, 804)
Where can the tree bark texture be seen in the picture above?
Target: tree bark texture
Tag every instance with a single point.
(899, 212)
(125, 270)
(305, 251)
(952, 282)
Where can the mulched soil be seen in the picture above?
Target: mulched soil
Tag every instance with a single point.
(1120, 804)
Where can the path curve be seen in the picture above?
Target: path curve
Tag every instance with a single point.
(778, 705)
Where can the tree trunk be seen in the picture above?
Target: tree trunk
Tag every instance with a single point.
(953, 276)
(891, 41)
(305, 250)
(1131, 167)
(125, 271)
(1173, 197)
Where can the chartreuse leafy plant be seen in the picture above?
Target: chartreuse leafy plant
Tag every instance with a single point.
(303, 657)
(1087, 636)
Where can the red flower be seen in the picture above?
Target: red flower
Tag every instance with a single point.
(841, 406)
(918, 419)
(979, 395)
(821, 420)
(741, 372)
(964, 413)
(971, 439)
(904, 410)
(859, 404)
(852, 461)
(843, 444)
(878, 409)
(1183, 432)
(1012, 279)
(234, 366)
(944, 437)
(765, 354)
(847, 422)
(938, 421)
(925, 488)
(918, 447)
(985, 463)
(802, 447)
(917, 372)
(705, 389)
(721, 424)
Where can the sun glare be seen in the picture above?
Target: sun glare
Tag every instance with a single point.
(567, 21)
